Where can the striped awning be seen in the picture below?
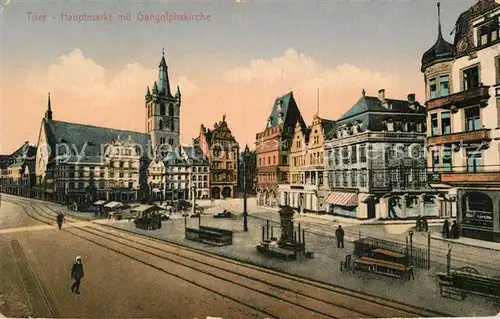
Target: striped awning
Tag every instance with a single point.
(342, 199)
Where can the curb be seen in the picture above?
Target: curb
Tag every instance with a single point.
(463, 244)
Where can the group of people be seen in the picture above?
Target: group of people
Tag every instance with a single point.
(453, 232)
(422, 224)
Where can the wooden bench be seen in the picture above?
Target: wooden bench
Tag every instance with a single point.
(210, 235)
(274, 251)
(383, 267)
(459, 283)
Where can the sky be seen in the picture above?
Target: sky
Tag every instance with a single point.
(236, 62)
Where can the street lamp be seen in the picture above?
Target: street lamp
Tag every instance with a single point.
(411, 245)
(246, 155)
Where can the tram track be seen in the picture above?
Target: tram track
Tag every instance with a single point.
(296, 292)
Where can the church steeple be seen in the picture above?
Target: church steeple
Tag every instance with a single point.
(48, 113)
(163, 82)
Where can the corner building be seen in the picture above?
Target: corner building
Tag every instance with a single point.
(462, 81)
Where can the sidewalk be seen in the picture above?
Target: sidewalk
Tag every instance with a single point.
(469, 242)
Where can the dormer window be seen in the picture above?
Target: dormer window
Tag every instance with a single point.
(487, 33)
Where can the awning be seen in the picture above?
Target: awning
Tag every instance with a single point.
(99, 202)
(113, 205)
(342, 199)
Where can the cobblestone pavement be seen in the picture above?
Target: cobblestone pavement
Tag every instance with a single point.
(324, 267)
(114, 285)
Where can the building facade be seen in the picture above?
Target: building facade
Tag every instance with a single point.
(17, 176)
(81, 163)
(376, 163)
(199, 176)
(273, 147)
(222, 150)
(308, 187)
(462, 82)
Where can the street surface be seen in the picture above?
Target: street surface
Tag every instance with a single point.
(131, 276)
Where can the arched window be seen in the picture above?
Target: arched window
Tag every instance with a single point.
(162, 108)
(477, 210)
(171, 125)
(170, 109)
(160, 125)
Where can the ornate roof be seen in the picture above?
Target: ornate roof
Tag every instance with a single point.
(441, 50)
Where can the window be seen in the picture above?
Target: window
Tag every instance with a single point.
(345, 155)
(447, 159)
(354, 178)
(472, 118)
(337, 156)
(444, 88)
(446, 123)
(434, 125)
(435, 160)
(362, 153)
(171, 141)
(487, 33)
(470, 78)
(344, 178)
(354, 154)
(162, 108)
(473, 160)
(170, 109)
(364, 177)
(497, 70)
(160, 125)
(274, 159)
(432, 88)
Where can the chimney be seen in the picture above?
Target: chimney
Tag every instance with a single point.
(411, 97)
(381, 95)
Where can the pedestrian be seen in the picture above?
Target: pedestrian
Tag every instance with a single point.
(77, 275)
(446, 229)
(454, 230)
(425, 224)
(339, 234)
(60, 219)
(419, 223)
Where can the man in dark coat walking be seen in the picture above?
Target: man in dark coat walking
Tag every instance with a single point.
(455, 232)
(60, 219)
(446, 229)
(77, 275)
(339, 234)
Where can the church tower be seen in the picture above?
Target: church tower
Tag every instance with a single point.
(163, 112)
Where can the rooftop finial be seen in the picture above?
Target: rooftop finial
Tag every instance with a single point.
(49, 101)
(363, 92)
(439, 17)
(163, 51)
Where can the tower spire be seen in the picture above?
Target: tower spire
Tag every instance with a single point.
(48, 113)
(163, 82)
(439, 19)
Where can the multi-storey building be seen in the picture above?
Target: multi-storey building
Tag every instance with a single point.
(80, 163)
(273, 147)
(307, 179)
(376, 162)
(199, 176)
(462, 82)
(17, 172)
(222, 150)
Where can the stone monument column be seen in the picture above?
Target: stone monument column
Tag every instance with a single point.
(286, 218)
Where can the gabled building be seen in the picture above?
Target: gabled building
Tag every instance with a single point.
(462, 81)
(308, 187)
(199, 176)
(272, 149)
(17, 171)
(376, 163)
(222, 151)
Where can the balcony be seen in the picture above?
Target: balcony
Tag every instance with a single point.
(477, 95)
(459, 138)
(483, 175)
